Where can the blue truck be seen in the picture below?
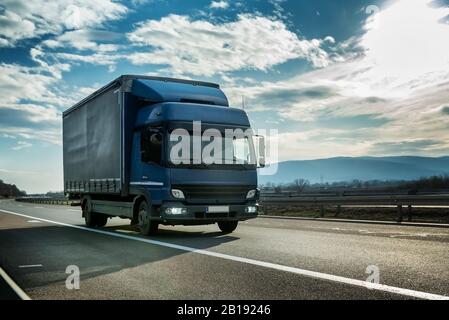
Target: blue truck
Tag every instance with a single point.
(118, 145)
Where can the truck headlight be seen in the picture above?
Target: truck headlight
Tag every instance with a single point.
(175, 211)
(251, 209)
(178, 194)
(251, 194)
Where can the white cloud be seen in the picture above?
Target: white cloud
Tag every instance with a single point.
(219, 4)
(86, 91)
(396, 63)
(96, 58)
(406, 46)
(403, 57)
(22, 145)
(140, 2)
(202, 48)
(31, 101)
(22, 19)
(85, 39)
(7, 136)
(13, 27)
(19, 83)
(329, 39)
(33, 96)
(48, 135)
(398, 73)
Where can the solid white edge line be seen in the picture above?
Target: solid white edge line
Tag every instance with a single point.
(31, 266)
(298, 271)
(22, 295)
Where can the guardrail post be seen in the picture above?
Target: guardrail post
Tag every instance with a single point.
(338, 211)
(264, 209)
(400, 216)
(409, 213)
(322, 211)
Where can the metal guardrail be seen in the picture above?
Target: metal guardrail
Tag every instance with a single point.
(398, 201)
(48, 201)
(322, 202)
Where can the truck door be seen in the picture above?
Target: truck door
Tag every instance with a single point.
(148, 154)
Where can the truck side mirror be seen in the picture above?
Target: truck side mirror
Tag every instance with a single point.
(260, 148)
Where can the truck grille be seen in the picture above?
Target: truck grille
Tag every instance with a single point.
(214, 194)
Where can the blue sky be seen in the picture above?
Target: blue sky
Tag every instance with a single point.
(336, 78)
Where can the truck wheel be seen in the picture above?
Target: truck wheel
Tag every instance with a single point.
(101, 219)
(228, 226)
(145, 225)
(93, 219)
(89, 216)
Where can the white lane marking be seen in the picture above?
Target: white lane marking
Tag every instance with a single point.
(34, 221)
(39, 208)
(31, 266)
(298, 271)
(14, 285)
(73, 210)
(126, 231)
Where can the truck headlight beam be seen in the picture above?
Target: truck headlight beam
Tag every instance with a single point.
(251, 209)
(175, 211)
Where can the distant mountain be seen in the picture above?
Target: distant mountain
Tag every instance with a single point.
(362, 168)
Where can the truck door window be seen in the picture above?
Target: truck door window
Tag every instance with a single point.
(151, 145)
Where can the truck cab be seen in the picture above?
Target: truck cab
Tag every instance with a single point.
(185, 157)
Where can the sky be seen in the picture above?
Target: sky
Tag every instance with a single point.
(335, 78)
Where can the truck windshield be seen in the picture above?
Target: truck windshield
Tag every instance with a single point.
(211, 149)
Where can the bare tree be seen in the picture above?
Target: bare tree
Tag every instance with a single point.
(278, 188)
(300, 184)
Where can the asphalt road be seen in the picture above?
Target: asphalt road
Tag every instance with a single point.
(264, 259)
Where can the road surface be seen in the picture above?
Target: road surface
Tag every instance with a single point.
(264, 259)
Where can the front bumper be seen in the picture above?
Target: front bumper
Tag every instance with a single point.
(198, 214)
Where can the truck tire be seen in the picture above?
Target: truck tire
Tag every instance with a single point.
(146, 226)
(93, 219)
(88, 215)
(228, 226)
(101, 219)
